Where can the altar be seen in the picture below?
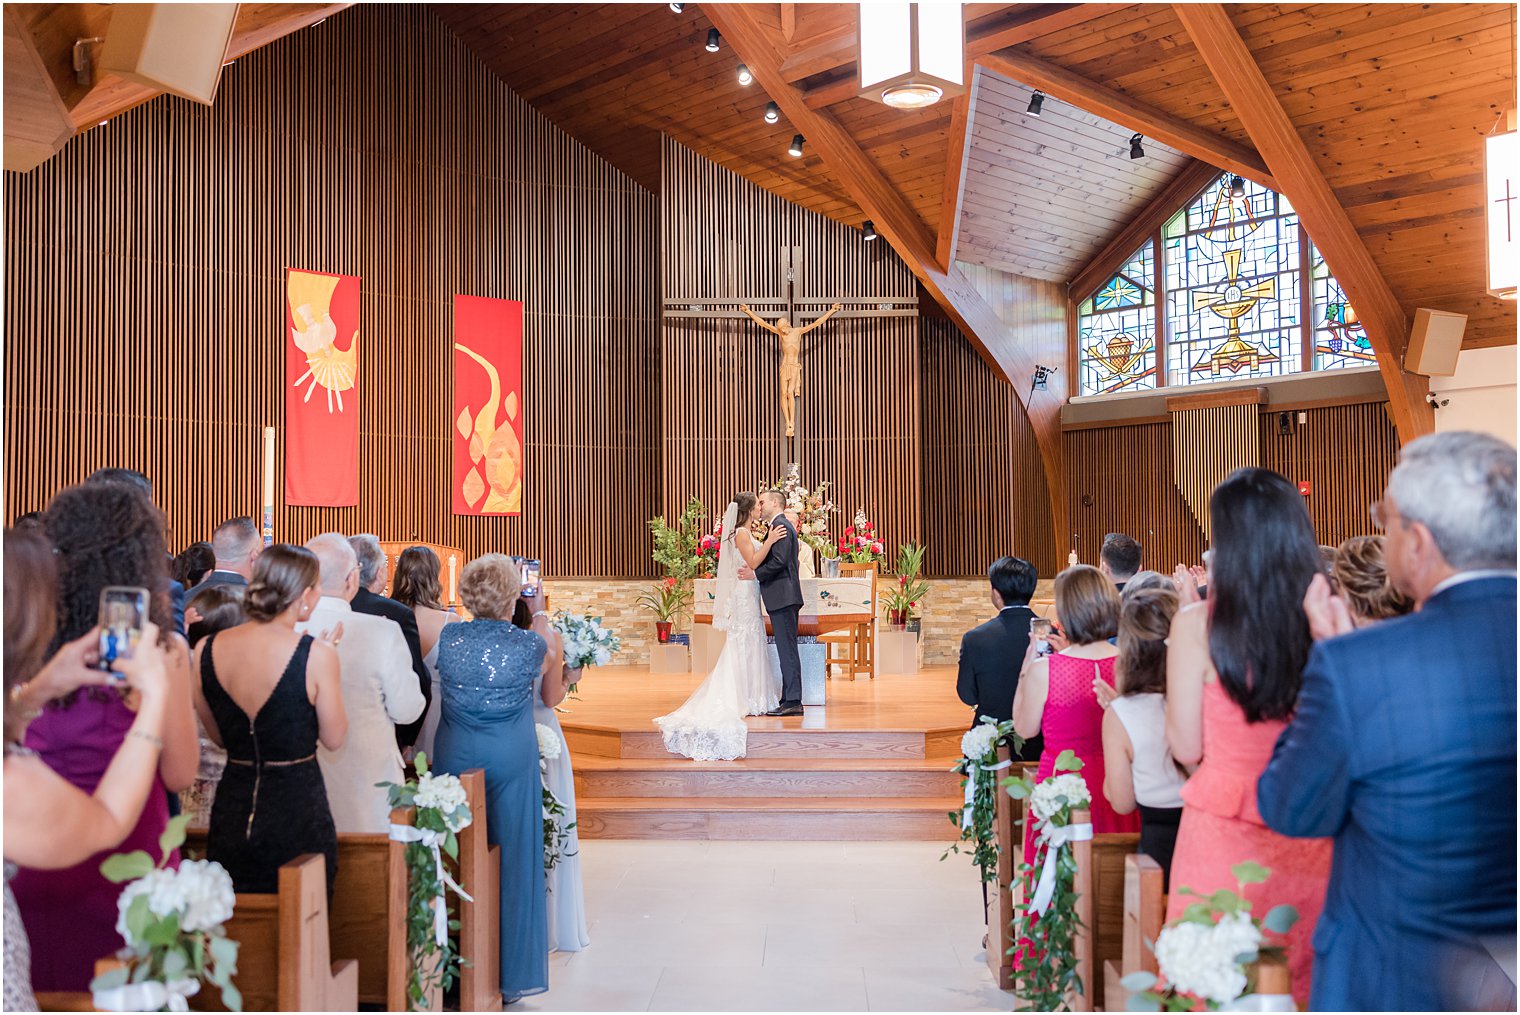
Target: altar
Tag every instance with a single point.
(828, 604)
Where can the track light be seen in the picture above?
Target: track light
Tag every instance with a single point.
(1135, 151)
(795, 151)
(869, 229)
(772, 112)
(677, 8)
(1035, 102)
(1237, 187)
(712, 40)
(745, 77)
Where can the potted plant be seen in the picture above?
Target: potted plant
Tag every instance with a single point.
(911, 588)
(666, 600)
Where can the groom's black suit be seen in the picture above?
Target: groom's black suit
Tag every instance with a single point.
(781, 591)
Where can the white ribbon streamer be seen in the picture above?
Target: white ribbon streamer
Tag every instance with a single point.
(1054, 837)
(971, 787)
(434, 841)
(150, 995)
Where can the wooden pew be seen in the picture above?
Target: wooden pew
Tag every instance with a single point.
(1144, 913)
(479, 874)
(1099, 886)
(1004, 894)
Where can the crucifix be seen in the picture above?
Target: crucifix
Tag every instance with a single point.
(791, 363)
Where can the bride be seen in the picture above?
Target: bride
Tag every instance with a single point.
(710, 725)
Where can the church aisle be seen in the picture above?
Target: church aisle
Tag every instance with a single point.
(778, 926)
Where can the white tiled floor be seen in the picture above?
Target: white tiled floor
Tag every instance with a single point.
(775, 926)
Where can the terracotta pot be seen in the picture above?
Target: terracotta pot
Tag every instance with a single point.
(662, 631)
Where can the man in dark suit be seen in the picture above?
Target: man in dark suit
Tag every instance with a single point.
(1402, 747)
(992, 654)
(781, 591)
(236, 544)
(374, 568)
(1119, 558)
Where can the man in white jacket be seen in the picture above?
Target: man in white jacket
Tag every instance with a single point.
(379, 691)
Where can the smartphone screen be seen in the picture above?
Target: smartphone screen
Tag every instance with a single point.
(530, 577)
(123, 616)
(1040, 628)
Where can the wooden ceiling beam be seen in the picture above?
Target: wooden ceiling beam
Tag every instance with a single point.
(1300, 180)
(896, 220)
(1067, 86)
(956, 145)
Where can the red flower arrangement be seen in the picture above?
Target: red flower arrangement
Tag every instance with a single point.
(859, 544)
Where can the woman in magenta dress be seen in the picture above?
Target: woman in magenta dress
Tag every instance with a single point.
(1058, 696)
(104, 533)
(1234, 668)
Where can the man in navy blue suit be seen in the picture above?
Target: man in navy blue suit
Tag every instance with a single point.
(1403, 748)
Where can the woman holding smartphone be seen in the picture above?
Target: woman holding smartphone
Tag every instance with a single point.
(103, 534)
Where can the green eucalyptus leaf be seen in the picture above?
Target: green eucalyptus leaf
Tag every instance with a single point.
(1017, 788)
(420, 763)
(1245, 958)
(1250, 873)
(173, 836)
(1067, 761)
(1280, 919)
(123, 867)
(139, 916)
(1140, 980)
(232, 998)
(174, 963)
(162, 932)
(224, 951)
(111, 979)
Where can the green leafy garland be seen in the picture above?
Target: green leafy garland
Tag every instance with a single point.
(433, 966)
(980, 833)
(1047, 975)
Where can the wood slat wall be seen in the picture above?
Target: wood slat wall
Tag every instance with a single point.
(1207, 445)
(1345, 451)
(145, 293)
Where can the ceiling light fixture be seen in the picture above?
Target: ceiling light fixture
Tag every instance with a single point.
(1035, 102)
(772, 112)
(712, 40)
(677, 8)
(1135, 151)
(795, 150)
(869, 229)
(1237, 187)
(745, 77)
(911, 55)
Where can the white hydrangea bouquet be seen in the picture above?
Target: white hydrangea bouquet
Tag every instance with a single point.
(587, 643)
(1215, 954)
(1045, 926)
(442, 812)
(171, 920)
(556, 829)
(978, 768)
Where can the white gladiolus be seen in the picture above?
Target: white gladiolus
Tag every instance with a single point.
(548, 742)
(1046, 799)
(199, 893)
(1200, 959)
(978, 741)
(440, 792)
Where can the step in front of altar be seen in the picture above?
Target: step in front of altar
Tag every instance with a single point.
(798, 818)
(763, 777)
(776, 743)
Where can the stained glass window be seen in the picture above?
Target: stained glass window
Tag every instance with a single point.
(1117, 335)
(1227, 270)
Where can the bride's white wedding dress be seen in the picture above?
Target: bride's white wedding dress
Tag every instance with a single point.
(710, 725)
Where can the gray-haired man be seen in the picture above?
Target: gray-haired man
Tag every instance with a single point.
(374, 569)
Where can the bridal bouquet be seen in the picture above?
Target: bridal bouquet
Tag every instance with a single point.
(979, 766)
(442, 812)
(171, 920)
(556, 830)
(1215, 951)
(586, 642)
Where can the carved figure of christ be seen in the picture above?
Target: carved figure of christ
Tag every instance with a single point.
(791, 362)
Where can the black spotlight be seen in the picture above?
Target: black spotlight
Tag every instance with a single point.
(868, 228)
(1041, 379)
(712, 40)
(678, 8)
(795, 151)
(745, 77)
(1035, 102)
(1135, 151)
(772, 112)
(1237, 187)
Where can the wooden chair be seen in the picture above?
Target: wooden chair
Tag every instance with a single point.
(1099, 886)
(479, 875)
(1144, 913)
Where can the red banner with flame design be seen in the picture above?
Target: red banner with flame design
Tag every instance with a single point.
(487, 424)
(321, 389)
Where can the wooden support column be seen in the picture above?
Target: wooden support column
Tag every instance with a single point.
(955, 173)
(1299, 180)
(896, 220)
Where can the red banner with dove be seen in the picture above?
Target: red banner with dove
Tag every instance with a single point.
(487, 424)
(321, 389)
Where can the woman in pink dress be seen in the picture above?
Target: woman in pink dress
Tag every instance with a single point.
(1234, 668)
(1057, 695)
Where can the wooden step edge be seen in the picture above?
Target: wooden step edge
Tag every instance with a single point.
(937, 804)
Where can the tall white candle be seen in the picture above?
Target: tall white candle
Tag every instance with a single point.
(267, 521)
(453, 585)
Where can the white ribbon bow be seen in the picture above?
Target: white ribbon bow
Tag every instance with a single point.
(1054, 837)
(150, 995)
(971, 784)
(434, 841)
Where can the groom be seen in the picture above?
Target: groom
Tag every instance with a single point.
(781, 591)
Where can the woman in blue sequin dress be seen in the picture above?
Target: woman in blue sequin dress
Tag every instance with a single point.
(486, 670)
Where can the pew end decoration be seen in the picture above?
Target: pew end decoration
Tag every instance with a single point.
(1217, 954)
(586, 643)
(979, 767)
(172, 921)
(442, 811)
(556, 830)
(1046, 927)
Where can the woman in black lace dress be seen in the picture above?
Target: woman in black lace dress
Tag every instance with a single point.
(267, 695)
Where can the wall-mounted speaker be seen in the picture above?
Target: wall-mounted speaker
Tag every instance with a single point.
(1434, 342)
(177, 48)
